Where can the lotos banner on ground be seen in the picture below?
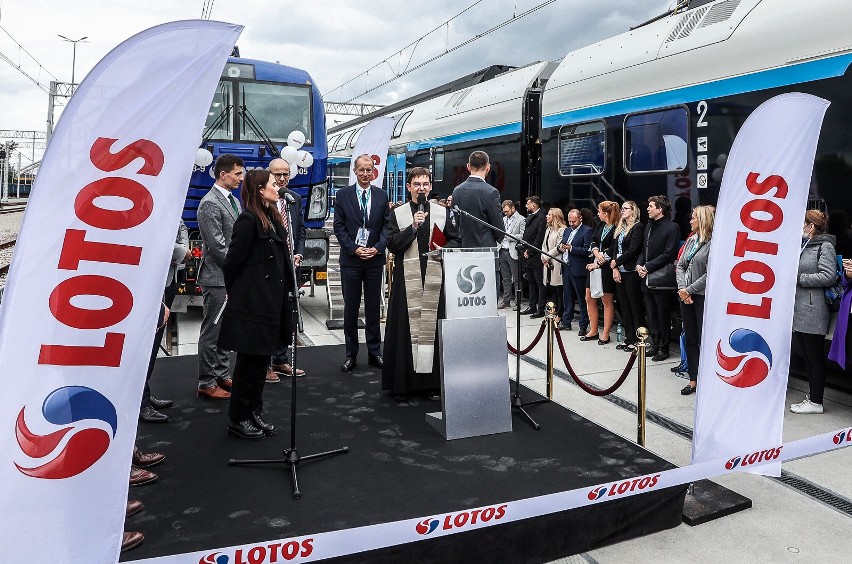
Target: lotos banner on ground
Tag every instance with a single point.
(373, 140)
(751, 278)
(83, 296)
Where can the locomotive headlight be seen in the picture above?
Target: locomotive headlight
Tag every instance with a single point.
(318, 204)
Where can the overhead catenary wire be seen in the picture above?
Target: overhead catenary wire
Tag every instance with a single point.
(19, 66)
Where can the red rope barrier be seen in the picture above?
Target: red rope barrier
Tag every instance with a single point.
(630, 362)
(535, 341)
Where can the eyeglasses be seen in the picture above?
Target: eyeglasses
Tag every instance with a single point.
(280, 175)
(626, 208)
(417, 185)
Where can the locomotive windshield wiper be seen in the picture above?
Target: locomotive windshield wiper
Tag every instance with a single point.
(223, 116)
(255, 127)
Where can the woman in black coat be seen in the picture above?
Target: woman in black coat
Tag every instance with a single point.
(257, 314)
(626, 244)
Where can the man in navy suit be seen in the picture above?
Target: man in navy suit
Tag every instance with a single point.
(575, 252)
(361, 216)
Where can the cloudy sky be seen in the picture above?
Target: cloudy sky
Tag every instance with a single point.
(334, 40)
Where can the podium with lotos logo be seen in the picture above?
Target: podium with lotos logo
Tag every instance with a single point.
(475, 395)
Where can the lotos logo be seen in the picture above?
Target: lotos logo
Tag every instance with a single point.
(215, 558)
(618, 488)
(753, 458)
(427, 526)
(263, 553)
(86, 446)
(470, 282)
(744, 370)
(597, 493)
(843, 436)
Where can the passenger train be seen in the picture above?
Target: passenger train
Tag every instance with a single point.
(654, 110)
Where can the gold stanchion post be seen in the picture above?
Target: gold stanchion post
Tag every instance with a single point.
(642, 346)
(550, 316)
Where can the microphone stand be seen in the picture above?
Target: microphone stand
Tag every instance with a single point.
(291, 455)
(518, 403)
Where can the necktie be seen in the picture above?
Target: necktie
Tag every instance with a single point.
(233, 203)
(286, 217)
(364, 205)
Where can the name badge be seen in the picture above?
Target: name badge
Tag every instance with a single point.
(363, 235)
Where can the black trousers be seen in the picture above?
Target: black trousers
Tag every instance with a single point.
(810, 347)
(168, 299)
(538, 294)
(631, 304)
(574, 290)
(554, 294)
(353, 278)
(693, 317)
(247, 389)
(658, 309)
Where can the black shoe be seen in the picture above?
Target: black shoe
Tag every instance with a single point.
(245, 430)
(376, 360)
(589, 337)
(687, 390)
(349, 364)
(602, 342)
(661, 355)
(268, 428)
(537, 315)
(528, 311)
(650, 351)
(563, 326)
(160, 403)
(151, 415)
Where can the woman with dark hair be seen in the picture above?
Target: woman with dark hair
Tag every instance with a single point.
(817, 269)
(609, 213)
(691, 273)
(626, 244)
(257, 315)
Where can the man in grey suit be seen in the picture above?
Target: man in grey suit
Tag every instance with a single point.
(513, 223)
(217, 212)
(481, 200)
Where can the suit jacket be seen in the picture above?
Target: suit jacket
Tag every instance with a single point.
(216, 219)
(578, 256)
(298, 223)
(348, 220)
(481, 200)
(630, 248)
(534, 235)
(258, 279)
(516, 229)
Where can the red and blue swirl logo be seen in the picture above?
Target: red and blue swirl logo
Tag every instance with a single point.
(597, 493)
(750, 362)
(215, 558)
(427, 526)
(69, 405)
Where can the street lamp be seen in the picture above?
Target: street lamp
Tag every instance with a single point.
(74, 60)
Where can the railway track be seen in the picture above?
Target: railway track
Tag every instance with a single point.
(6, 248)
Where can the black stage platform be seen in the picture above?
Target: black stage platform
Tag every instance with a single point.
(398, 467)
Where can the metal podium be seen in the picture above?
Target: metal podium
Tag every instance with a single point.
(475, 394)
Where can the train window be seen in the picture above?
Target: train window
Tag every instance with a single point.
(355, 137)
(220, 119)
(582, 149)
(438, 172)
(343, 140)
(391, 186)
(656, 141)
(278, 109)
(397, 129)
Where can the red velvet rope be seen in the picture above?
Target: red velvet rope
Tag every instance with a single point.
(585, 387)
(535, 341)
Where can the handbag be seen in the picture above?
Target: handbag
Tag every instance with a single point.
(596, 283)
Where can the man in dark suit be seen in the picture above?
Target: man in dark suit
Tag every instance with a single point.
(361, 216)
(280, 170)
(481, 200)
(217, 212)
(534, 235)
(575, 252)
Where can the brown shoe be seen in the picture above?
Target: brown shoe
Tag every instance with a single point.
(146, 460)
(140, 477)
(225, 383)
(213, 392)
(287, 370)
(299, 341)
(131, 540)
(271, 376)
(134, 506)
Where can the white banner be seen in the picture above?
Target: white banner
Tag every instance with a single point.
(80, 308)
(751, 278)
(470, 284)
(332, 544)
(373, 140)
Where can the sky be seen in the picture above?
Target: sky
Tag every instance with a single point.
(334, 40)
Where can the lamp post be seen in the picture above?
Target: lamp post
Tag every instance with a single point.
(74, 59)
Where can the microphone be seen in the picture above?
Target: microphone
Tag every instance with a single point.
(289, 197)
(421, 202)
